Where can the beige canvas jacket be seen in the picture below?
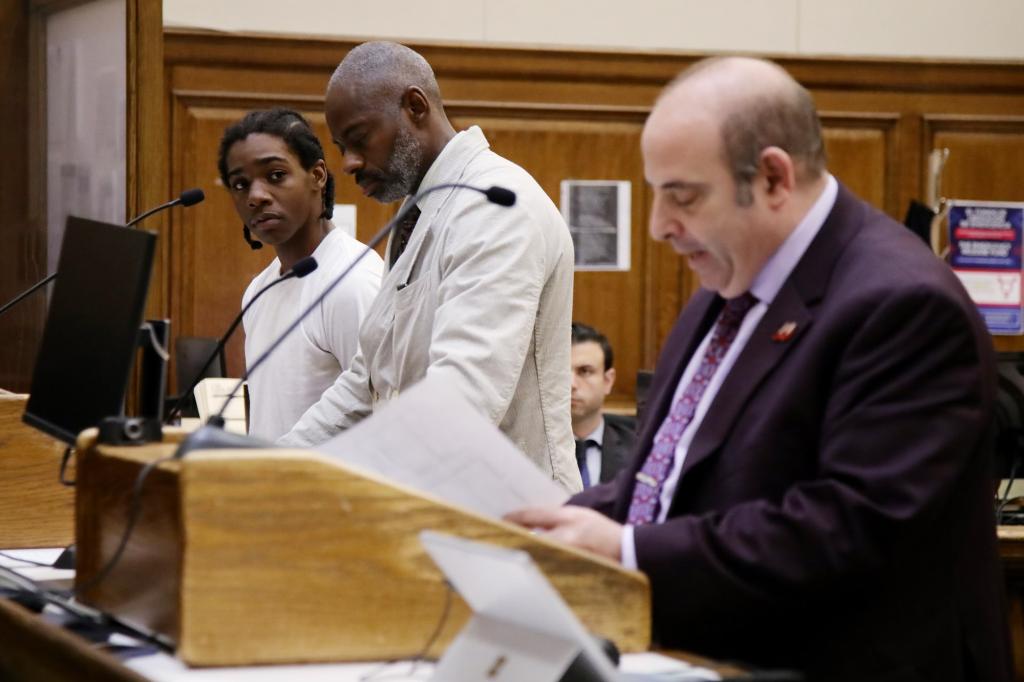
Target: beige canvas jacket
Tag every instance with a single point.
(482, 296)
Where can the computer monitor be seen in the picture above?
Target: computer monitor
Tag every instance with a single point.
(92, 327)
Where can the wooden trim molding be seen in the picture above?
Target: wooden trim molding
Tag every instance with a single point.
(148, 181)
(888, 124)
(972, 122)
(259, 50)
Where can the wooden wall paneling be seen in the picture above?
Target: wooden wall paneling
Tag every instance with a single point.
(861, 154)
(146, 176)
(986, 159)
(910, 158)
(612, 70)
(669, 285)
(23, 257)
(146, 149)
(986, 163)
(870, 77)
(536, 106)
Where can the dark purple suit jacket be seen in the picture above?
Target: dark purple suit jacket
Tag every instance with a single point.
(834, 513)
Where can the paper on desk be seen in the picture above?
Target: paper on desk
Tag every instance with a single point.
(430, 438)
(653, 666)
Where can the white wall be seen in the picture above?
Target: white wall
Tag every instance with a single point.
(945, 29)
(85, 108)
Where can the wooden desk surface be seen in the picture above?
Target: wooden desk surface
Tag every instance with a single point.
(1011, 551)
(34, 649)
(37, 511)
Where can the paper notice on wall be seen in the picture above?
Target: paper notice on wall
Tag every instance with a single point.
(985, 253)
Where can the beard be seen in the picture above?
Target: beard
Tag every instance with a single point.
(402, 170)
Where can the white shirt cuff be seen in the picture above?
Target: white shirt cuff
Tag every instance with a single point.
(628, 557)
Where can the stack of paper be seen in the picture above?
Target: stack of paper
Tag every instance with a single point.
(211, 394)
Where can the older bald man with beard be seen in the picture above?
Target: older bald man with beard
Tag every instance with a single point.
(475, 293)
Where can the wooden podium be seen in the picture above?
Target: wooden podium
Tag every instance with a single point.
(35, 509)
(274, 556)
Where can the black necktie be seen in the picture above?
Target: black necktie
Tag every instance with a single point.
(581, 459)
(403, 233)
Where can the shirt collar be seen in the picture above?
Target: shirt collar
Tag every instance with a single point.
(597, 435)
(778, 268)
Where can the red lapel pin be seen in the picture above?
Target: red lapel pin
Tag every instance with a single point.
(785, 332)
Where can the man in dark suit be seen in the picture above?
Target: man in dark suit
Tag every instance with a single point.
(603, 441)
(811, 488)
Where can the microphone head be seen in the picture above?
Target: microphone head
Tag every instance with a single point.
(500, 196)
(305, 266)
(191, 197)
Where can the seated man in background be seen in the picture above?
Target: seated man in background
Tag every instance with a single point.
(812, 487)
(475, 293)
(603, 441)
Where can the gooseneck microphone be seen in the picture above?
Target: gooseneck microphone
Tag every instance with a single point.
(211, 434)
(189, 197)
(38, 285)
(302, 268)
(497, 195)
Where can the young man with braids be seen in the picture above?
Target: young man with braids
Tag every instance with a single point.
(273, 166)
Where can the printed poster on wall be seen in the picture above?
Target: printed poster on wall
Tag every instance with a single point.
(985, 253)
(598, 215)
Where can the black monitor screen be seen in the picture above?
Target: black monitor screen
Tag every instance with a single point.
(92, 328)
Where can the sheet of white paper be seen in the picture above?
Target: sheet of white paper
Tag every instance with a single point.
(161, 667)
(514, 608)
(24, 562)
(490, 649)
(430, 438)
(662, 667)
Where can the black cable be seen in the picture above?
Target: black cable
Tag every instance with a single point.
(375, 674)
(14, 301)
(135, 508)
(81, 612)
(1006, 494)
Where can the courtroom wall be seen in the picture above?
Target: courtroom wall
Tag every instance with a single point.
(23, 253)
(567, 113)
(945, 29)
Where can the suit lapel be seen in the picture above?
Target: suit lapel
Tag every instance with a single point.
(609, 448)
(778, 332)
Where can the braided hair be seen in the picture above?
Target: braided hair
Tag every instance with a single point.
(294, 129)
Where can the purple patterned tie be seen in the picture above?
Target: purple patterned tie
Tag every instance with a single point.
(651, 477)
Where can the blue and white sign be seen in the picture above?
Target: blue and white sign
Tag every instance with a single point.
(985, 252)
